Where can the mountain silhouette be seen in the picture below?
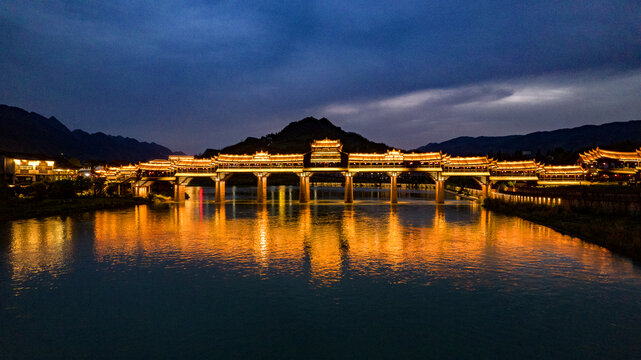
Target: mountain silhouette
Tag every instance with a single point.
(571, 139)
(297, 137)
(29, 132)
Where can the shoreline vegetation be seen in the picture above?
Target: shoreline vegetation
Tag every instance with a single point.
(620, 234)
(16, 209)
(63, 197)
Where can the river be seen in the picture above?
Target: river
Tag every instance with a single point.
(324, 280)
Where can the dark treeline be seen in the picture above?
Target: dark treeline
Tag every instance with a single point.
(58, 189)
(559, 155)
(59, 198)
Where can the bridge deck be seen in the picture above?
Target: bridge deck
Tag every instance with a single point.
(327, 157)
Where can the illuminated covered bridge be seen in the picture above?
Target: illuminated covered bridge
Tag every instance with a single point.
(326, 156)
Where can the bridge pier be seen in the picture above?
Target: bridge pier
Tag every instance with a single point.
(219, 195)
(485, 191)
(440, 191)
(486, 187)
(179, 188)
(439, 182)
(303, 196)
(179, 193)
(393, 189)
(349, 188)
(141, 191)
(262, 187)
(219, 181)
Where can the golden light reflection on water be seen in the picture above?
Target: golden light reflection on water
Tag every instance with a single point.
(39, 247)
(461, 243)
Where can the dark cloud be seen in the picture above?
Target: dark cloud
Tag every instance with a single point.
(192, 74)
(495, 107)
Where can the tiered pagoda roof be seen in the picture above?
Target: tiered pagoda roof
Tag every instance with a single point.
(526, 165)
(329, 152)
(260, 157)
(131, 168)
(286, 157)
(327, 143)
(563, 170)
(467, 161)
(234, 158)
(326, 151)
(156, 165)
(596, 154)
(175, 158)
(429, 157)
(389, 156)
(114, 172)
(195, 163)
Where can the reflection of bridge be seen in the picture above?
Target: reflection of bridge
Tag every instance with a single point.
(326, 156)
(278, 238)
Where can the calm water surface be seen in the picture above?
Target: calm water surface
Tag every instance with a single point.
(325, 280)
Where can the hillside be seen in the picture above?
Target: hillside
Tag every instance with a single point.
(29, 132)
(572, 139)
(296, 138)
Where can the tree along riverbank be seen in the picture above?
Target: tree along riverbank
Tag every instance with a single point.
(62, 197)
(619, 233)
(31, 208)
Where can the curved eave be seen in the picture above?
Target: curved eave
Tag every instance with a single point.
(514, 178)
(563, 182)
(257, 170)
(466, 173)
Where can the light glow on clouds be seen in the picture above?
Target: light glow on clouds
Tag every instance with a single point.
(508, 107)
(497, 94)
(402, 72)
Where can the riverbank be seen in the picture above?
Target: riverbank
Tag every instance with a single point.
(619, 233)
(30, 208)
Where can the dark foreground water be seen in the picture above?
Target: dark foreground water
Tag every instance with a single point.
(320, 281)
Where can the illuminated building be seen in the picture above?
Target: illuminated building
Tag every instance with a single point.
(327, 157)
(24, 168)
(562, 175)
(606, 165)
(515, 170)
(326, 153)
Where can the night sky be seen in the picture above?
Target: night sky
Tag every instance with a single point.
(191, 75)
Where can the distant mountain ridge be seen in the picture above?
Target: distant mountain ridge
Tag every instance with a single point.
(297, 137)
(29, 132)
(571, 139)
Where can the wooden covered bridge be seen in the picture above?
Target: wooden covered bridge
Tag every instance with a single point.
(326, 156)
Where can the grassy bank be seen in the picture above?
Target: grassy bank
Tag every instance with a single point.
(29, 208)
(620, 234)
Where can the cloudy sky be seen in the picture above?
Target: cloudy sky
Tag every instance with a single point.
(196, 74)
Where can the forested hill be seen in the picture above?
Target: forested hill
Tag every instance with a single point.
(29, 132)
(571, 140)
(297, 137)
